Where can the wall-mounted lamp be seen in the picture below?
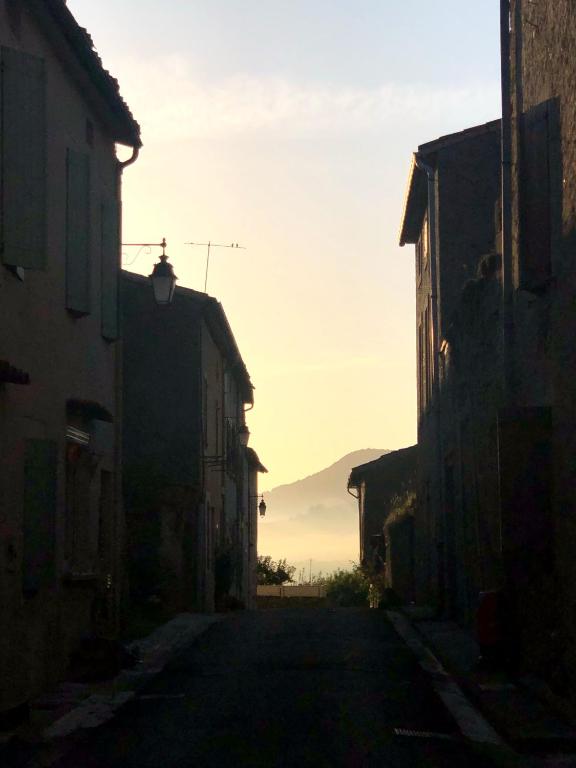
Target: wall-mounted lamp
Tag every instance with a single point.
(243, 435)
(262, 505)
(163, 279)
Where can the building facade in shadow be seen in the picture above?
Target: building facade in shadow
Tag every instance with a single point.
(60, 514)
(451, 215)
(386, 492)
(538, 429)
(189, 481)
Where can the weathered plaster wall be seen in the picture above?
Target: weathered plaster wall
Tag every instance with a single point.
(66, 357)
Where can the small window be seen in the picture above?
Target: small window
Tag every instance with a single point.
(205, 412)
(422, 248)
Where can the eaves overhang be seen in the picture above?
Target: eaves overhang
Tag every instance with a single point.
(416, 198)
(254, 462)
(415, 202)
(73, 46)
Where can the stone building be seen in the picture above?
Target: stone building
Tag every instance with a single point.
(451, 215)
(538, 430)
(386, 492)
(189, 483)
(60, 511)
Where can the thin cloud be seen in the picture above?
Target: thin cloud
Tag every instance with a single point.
(172, 105)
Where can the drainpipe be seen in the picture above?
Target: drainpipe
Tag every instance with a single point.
(506, 164)
(121, 536)
(132, 159)
(433, 251)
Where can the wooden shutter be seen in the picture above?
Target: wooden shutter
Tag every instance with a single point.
(535, 220)
(39, 514)
(525, 468)
(23, 219)
(78, 232)
(110, 268)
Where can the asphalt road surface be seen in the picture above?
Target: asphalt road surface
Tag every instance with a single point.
(297, 687)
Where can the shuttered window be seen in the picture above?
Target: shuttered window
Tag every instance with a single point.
(535, 220)
(78, 232)
(39, 514)
(110, 267)
(23, 154)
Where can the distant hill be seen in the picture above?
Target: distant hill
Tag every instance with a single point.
(315, 517)
(321, 488)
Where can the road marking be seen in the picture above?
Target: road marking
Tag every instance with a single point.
(153, 696)
(422, 734)
(471, 723)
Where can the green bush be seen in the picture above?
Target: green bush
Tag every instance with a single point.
(347, 589)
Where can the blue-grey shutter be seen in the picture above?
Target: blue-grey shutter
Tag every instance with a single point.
(23, 102)
(110, 267)
(78, 231)
(39, 514)
(534, 198)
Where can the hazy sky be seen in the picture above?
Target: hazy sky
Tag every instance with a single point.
(288, 126)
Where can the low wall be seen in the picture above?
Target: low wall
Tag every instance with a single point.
(292, 590)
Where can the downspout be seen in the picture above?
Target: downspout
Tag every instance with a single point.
(433, 250)
(121, 553)
(506, 164)
(360, 525)
(132, 159)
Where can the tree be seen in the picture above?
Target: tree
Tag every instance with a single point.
(269, 571)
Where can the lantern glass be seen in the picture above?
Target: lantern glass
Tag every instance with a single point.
(262, 508)
(163, 282)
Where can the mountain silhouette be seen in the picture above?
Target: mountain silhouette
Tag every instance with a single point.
(315, 518)
(314, 494)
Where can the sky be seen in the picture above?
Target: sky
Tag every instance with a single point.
(288, 126)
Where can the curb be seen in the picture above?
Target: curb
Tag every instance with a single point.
(545, 733)
(99, 708)
(473, 726)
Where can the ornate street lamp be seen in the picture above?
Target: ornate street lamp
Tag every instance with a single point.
(163, 279)
(243, 435)
(262, 505)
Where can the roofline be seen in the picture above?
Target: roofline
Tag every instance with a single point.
(363, 469)
(215, 318)
(427, 152)
(74, 47)
(214, 311)
(455, 138)
(254, 461)
(408, 197)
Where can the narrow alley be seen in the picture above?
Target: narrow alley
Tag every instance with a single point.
(293, 687)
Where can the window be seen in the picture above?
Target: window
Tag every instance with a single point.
(110, 261)
(82, 515)
(425, 344)
(23, 160)
(39, 514)
(205, 412)
(422, 248)
(534, 198)
(78, 232)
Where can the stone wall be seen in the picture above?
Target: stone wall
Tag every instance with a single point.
(543, 75)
